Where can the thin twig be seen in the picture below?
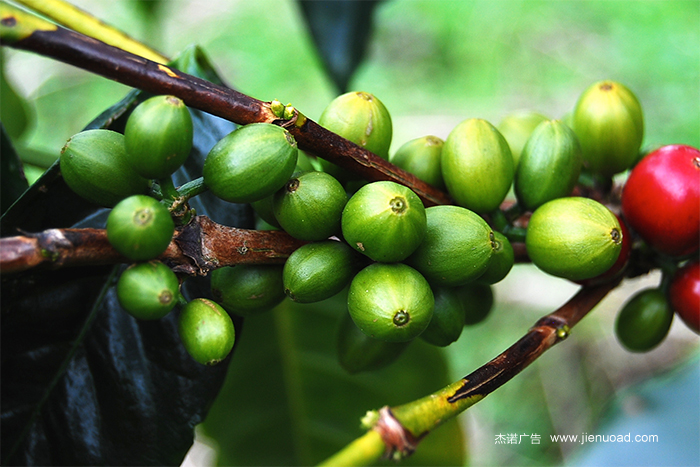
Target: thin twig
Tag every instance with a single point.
(403, 427)
(135, 71)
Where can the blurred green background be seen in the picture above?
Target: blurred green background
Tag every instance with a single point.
(434, 63)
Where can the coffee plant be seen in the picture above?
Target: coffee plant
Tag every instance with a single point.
(188, 211)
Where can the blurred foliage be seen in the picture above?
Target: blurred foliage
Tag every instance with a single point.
(434, 63)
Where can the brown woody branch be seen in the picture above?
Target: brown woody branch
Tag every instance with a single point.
(129, 69)
(197, 248)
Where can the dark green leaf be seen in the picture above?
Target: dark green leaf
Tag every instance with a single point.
(84, 383)
(13, 182)
(341, 30)
(14, 112)
(287, 401)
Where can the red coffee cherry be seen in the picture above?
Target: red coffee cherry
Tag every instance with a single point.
(684, 295)
(661, 199)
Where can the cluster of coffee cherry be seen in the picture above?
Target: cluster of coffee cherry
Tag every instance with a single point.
(411, 271)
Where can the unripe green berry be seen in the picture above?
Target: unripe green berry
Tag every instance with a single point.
(148, 290)
(140, 228)
(422, 158)
(158, 136)
(609, 124)
(309, 206)
(206, 331)
(477, 165)
(361, 118)
(575, 238)
(384, 221)
(94, 165)
(391, 302)
(247, 289)
(250, 163)
(644, 320)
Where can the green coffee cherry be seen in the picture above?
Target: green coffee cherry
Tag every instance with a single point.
(384, 221)
(644, 320)
(501, 261)
(448, 318)
(264, 209)
(248, 289)
(574, 238)
(549, 165)
(148, 290)
(140, 228)
(477, 165)
(421, 157)
(94, 165)
(206, 331)
(391, 302)
(317, 271)
(477, 300)
(456, 249)
(306, 163)
(361, 118)
(609, 124)
(158, 136)
(309, 206)
(516, 129)
(250, 163)
(357, 352)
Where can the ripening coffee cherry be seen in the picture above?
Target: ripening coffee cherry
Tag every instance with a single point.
(384, 221)
(317, 271)
(250, 163)
(684, 294)
(206, 331)
(501, 262)
(357, 352)
(421, 157)
(158, 136)
(248, 289)
(644, 320)
(575, 238)
(549, 166)
(661, 199)
(516, 128)
(609, 124)
(309, 206)
(477, 165)
(94, 165)
(148, 290)
(391, 302)
(457, 247)
(140, 228)
(448, 318)
(361, 118)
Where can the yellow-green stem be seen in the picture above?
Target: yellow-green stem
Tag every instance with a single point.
(16, 24)
(365, 450)
(80, 21)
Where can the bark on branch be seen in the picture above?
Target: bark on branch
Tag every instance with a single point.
(197, 248)
(110, 62)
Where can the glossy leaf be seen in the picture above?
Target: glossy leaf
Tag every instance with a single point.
(84, 383)
(287, 400)
(13, 182)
